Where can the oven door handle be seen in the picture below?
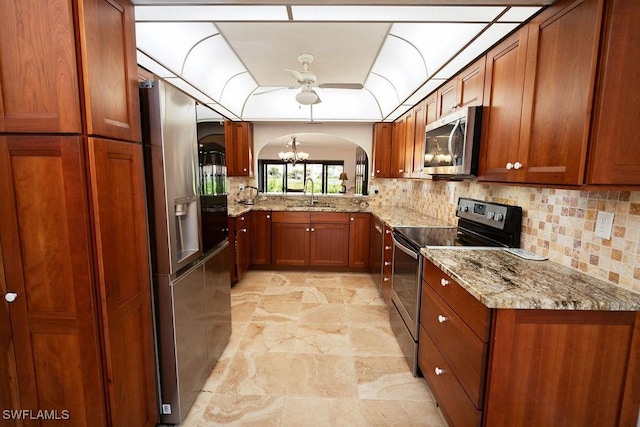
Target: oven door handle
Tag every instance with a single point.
(405, 249)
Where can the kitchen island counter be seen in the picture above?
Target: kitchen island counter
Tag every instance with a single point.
(502, 280)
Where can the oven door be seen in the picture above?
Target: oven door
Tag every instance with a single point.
(406, 284)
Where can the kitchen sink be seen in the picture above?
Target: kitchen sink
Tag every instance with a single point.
(306, 206)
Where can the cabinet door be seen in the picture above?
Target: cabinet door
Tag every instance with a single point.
(558, 92)
(410, 131)
(122, 261)
(290, 244)
(447, 98)
(420, 124)
(238, 138)
(614, 159)
(243, 251)
(504, 80)
(38, 72)
(387, 263)
(359, 239)
(329, 245)
(110, 73)
(471, 84)
(399, 147)
(382, 136)
(261, 237)
(46, 254)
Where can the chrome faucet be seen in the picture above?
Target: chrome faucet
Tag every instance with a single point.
(312, 200)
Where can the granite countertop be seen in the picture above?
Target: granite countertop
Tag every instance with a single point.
(499, 279)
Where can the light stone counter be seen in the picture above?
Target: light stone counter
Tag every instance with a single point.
(499, 279)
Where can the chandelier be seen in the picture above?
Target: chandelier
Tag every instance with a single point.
(294, 155)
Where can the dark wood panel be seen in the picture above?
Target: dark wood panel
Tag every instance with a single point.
(326, 217)
(503, 89)
(290, 244)
(449, 394)
(329, 244)
(398, 147)
(44, 217)
(123, 279)
(558, 92)
(631, 400)
(471, 84)
(561, 368)
(291, 217)
(472, 311)
(447, 98)
(38, 69)
(420, 112)
(613, 159)
(382, 138)
(110, 71)
(238, 138)
(261, 237)
(359, 240)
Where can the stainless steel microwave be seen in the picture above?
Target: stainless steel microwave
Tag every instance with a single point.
(452, 145)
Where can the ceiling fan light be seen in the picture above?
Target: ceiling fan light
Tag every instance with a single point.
(306, 97)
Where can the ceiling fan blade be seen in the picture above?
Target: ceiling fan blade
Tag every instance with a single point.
(296, 75)
(274, 90)
(341, 86)
(318, 101)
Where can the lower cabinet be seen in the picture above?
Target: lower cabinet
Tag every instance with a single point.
(387, 263)
(240, 245)
(526, 367)
(76, 331)
(260, 237)
(359, 239)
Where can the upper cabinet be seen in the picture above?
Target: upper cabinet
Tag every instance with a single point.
(238, 138)
(463, 90)
(109, 69)
(539, 103)
(38, 72)
(615, 151)
(382, 134)
(40, 87)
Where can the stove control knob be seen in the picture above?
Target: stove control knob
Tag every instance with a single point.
(499, 217)
(490, 215)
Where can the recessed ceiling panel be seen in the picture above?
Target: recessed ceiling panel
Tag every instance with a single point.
(342, 53)
(213, 13)
(397, 13)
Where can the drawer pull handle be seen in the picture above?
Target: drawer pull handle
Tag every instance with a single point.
(388, 231)
(386, 279)
(439, 371)
(444, 282)
(387, 263)
(441, 318)
(386, 248)
(242, 218)
(10, 297)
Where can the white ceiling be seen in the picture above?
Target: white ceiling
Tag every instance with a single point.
(227, 53)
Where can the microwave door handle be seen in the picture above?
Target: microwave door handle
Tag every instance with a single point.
(453, 131)
(404, 249)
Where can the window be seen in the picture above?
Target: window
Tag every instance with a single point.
(278, 177)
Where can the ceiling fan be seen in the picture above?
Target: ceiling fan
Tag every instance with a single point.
(307, 81)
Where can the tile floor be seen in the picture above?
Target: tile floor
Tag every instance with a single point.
(311, 349)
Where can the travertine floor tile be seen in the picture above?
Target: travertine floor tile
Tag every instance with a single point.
(389, 378)
(274, 311)
(255, 373)
(362, 296)
(322, 375)
(394, 413)
(242, 311)
(321, 412)
(323, 295)
(376, 340)
(269, 337)
(231, 410)
(323, 313)
(322, 339)
(368, 314)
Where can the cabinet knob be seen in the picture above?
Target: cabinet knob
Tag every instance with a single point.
(10, 297)
(439, 371)
(351, 218)
(388, 231)
(386, 248)
(245, 169)
(268, 216)
(313, 229)
(244, 230)
(441, 318)
(509, 166)
(517, 165)
(400, 170)
(444, 282)
(307, 229)
(241, 218)
(377, 170)
(386, 279)
(387, 263)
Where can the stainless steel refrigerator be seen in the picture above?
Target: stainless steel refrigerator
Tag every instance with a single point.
(192, 304)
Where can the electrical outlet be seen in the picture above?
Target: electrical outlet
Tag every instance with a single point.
(452, 193)
(241, 187)
(604, 224)
(375, 189)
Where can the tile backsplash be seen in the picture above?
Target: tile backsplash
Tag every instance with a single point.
(557, 223)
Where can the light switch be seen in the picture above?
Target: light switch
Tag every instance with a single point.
(604, 224)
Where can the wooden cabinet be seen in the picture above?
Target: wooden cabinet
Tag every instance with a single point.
(124, 284)
(387, 263)
(45, 234)
(290, 238)
(329, 243)
(398, 147)
(359, 239)
(375, 255)
(613, 158)
(465, 89)
(382, 137)
(420, 112)
(109, 69)
(238, 138)
(487, 366)
(240, 245)
(540, 102)
(260, 237)
(39, 89)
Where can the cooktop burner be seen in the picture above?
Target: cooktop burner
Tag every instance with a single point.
(430, 236)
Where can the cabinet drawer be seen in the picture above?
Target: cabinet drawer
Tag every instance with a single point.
(291, 217)
(451, 397)
(472, 311)
(465, 353)
(340, 217)
(241, 221)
